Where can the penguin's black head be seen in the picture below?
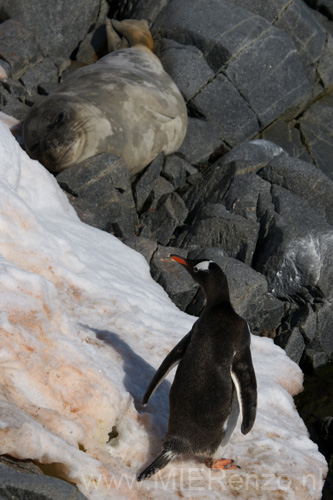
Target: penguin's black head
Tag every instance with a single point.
(208, 275)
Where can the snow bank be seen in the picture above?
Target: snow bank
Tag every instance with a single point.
(83, 328)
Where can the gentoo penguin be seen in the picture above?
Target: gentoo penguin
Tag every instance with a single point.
(215, 379)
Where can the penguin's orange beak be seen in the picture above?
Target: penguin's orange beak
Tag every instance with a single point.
(179, 259)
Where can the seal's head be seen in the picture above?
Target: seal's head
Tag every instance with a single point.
(55, 131)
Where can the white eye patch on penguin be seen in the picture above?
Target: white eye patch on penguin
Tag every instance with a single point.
(202, 266)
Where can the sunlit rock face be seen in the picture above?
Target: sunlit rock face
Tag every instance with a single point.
(83, 328)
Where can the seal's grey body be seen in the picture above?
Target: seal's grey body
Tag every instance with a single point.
(125, 104)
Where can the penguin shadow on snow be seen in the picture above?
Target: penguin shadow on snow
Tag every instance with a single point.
(138, 374)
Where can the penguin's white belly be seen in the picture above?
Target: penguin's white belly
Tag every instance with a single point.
(229, 425)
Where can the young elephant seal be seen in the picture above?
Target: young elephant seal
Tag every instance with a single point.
(125, 104)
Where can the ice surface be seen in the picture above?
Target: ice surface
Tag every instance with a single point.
(83, 328)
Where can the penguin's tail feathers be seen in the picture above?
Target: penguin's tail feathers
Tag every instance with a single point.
(159, 463)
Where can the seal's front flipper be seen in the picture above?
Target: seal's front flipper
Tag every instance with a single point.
(114, 41)
(136, 32)
(170, 361)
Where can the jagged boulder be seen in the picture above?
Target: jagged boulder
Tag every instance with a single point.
(316, 126)
(19, 48)
(100, 191)
(58, 27)
(233, 88)
(22, 479)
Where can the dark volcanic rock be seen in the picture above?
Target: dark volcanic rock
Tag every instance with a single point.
(325, 67)
(312, 360)
(252, 155)
(250, 297)
(269, 10)
(219, 32)
(20, 484)
(174, 170)
(139, 9)
(296, 19)
(9, 102)
(41, 77)
(15, 87)
(19, 47)
(323, 339)
(211, 188)
(270, 210)
(315, 407)
(288, 136)
(161, 187)
(201, 141)
(25, 466)
(323, 6)
(222, 105)
(175, 280)
(316, 126)
(102, 194)
(247, 92)
(160, 223)
(273, 83)
(293, 343)
(293, 206)
(292, 202)
(214, 226)
(218, 178)
(243, 194)
(58, 26)
(142, 245)
(304, 180)
(308, 324)
(307, 33)
(258, 183)
(187, 67)
(305, 29)
(295, 249)
(143, 186)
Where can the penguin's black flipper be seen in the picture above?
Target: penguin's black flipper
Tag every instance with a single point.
(170, 361)
(244, 379)
(159, 463)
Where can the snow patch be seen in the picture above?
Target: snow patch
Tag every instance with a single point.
(83, 329)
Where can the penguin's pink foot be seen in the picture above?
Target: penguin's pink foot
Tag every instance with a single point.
(221, 463)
